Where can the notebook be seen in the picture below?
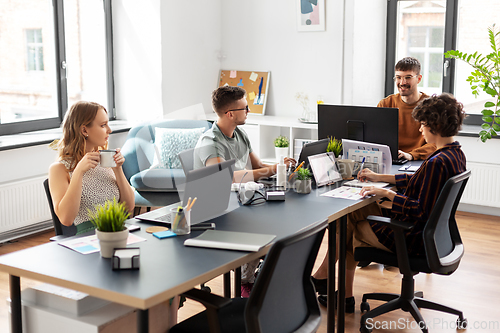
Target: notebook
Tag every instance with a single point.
(211, 186)
(324, 169)
(230, 240)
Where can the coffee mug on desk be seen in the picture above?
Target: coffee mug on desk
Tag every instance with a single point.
(107, 158)
(346, 168)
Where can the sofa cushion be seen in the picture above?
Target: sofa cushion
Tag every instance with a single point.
(158, 180)
(171, 141)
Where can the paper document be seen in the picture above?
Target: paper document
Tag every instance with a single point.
(90, 244)
(357, 183)
(344, 192)
(409, 168)
(230, 240)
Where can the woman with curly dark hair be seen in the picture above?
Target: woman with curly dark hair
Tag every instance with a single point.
(440, 118)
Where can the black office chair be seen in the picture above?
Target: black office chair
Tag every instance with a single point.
(61, 230)
(443, 252)
(283, 298)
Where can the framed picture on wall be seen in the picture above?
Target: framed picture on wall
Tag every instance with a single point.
(310, 15)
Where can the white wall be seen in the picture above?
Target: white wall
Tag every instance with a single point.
(262, 35)
(191, 45)
(137, 59)
(364, 77)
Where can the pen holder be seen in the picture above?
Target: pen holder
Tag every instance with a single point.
(181, 221)
(291, 181)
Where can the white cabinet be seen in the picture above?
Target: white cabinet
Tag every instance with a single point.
(262, 130)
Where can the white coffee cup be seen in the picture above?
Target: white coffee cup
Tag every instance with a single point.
(346, 168)
(107, 158)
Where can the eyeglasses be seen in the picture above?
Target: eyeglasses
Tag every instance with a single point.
(246, 108)
(405, 78)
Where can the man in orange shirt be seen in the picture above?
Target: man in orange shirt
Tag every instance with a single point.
(412, 145)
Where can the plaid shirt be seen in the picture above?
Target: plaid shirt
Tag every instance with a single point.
(418, 193)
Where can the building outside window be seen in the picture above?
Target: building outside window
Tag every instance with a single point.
(34, 49)
(54, 53)
(426, 29)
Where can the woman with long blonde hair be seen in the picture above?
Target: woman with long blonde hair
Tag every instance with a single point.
(77, 181)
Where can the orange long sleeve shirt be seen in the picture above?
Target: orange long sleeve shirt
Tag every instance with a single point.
(410, 139)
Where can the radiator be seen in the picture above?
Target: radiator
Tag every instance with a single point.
(24, 208)
(483, 187)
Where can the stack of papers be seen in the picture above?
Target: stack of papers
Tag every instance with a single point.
(90, 244)
(344, 192)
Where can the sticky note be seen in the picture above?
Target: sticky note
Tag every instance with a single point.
(232, 74)
(164, 234)
(251, 96)
(253, 76)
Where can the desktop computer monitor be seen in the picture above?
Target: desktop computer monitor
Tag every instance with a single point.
(360, 123)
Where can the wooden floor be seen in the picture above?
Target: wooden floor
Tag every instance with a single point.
(474, 288)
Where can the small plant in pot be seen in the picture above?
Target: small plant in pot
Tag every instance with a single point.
(281, 145)
(109, 221)
(334, 146)
(304, 181)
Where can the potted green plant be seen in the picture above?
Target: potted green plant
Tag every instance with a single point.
(304, 181)
(281, 146)
(486, 77)
(335, 146)
(109, 221)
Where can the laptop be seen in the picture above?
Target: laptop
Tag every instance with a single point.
(211, 186)
(324, 169)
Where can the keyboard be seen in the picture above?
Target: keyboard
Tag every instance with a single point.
(399, 161)
(164, 218)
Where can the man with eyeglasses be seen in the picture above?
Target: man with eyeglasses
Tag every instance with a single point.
(412, 145)
(226, 140)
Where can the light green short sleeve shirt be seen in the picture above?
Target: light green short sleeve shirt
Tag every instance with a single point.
(213, 143)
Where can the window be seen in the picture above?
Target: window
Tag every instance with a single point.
(426, 29)
(54, 53)
(34, 50)
(420, 30)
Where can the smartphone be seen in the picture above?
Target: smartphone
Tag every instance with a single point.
(203, 226)
(132, 227)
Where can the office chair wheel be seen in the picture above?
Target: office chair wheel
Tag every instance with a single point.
(364, 306)
(206, 288)
(364, 329)
(462, 323)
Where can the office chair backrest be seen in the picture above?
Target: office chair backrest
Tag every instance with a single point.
(283, 298)
(187, 159)
(443, 245)
(59, 228)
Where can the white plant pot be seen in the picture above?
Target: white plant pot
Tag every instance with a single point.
(281, 151)
(108, 241)
(303, 186)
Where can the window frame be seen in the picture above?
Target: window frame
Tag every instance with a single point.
(61, 79)
(450, 43)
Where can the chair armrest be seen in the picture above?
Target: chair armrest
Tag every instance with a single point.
(209, 300)
(399, 228)
(393, 224)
